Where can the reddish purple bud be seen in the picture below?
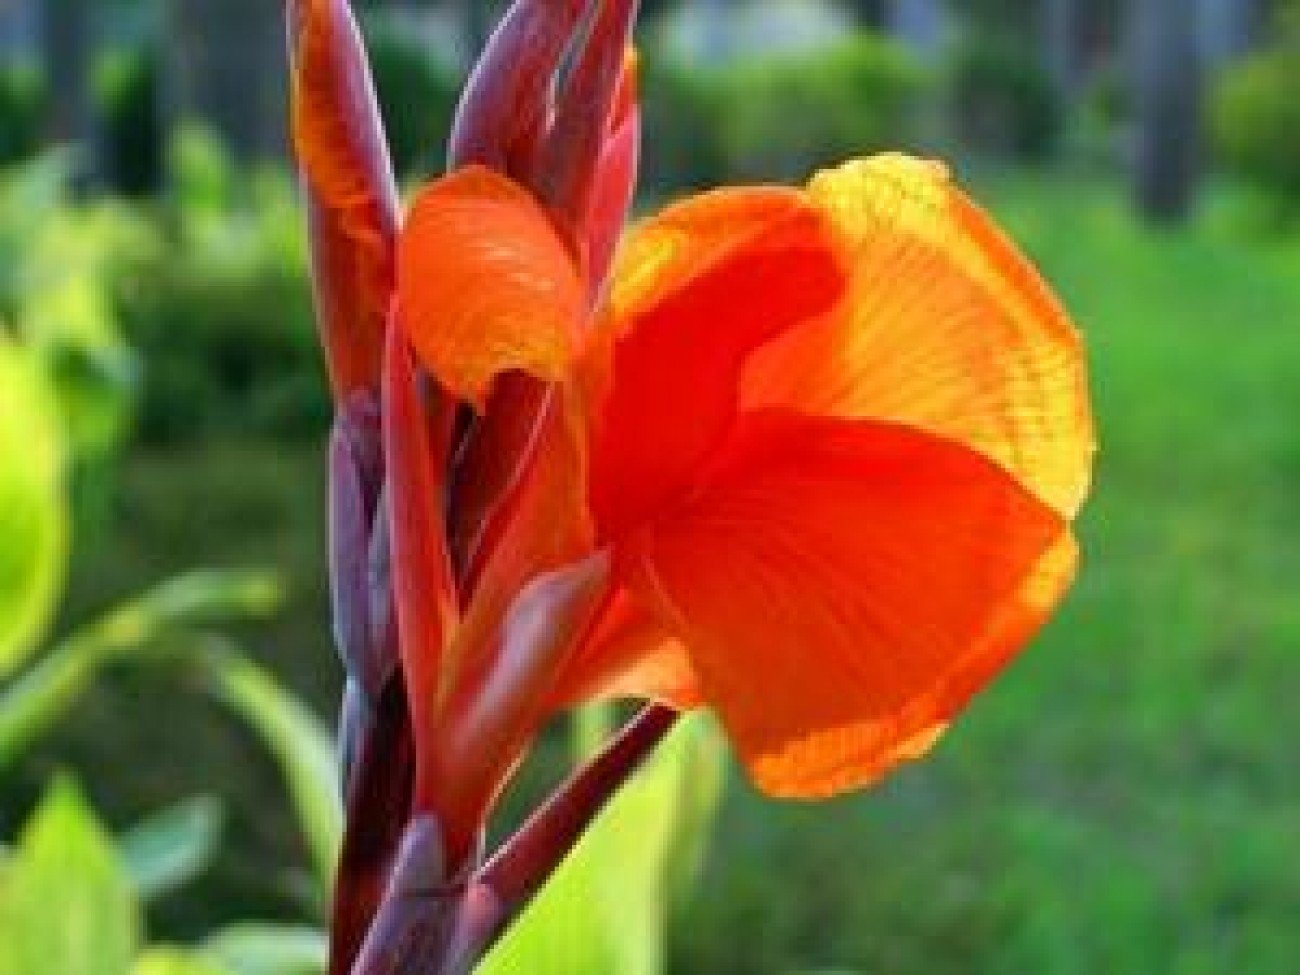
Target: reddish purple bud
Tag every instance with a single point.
(352, 202)
(356, 474)
(506, 105)
(570, 158)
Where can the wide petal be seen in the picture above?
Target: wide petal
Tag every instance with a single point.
(946, 327)
(844, 587)
(694, 293)
(352, 199)
(485, 284)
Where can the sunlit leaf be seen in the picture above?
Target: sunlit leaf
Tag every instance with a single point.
(33, 508)
(172, 847)
(69, 905)
(176, 961)
(268, 949)
(300, 744)
(605, 910)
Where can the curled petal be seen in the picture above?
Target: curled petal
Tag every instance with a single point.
(946, 326)
(844, 587)
(694, 293)
(485, 284)
(352, 200)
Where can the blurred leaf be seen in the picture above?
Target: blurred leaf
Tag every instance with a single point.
(605, 910)
(175, 961)
(268, 949)
(69, 906)
(43, 694)
(33, 510)
(172, 847)
(300, 744)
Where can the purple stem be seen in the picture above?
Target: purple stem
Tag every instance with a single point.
(502, 889)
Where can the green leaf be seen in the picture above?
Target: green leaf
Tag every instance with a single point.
(34, 703)
(268, 949)
(33, 508)
(69, 905)
(172, 847)
(300, 744)
(605, 910)
(176, 961)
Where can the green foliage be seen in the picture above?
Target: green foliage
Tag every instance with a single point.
(70, 904)
(681, 105)
(787, 115)
(300, 745)
(1255, 124)
(174, 961)
(606, 909)
(268, 949)
(33, 512)
(1001, 97)
(172, 847)
(128, 94)
(417, 96)
(40, 697)
(710, 125)
(22, 111)
(67, 905)
(219, 305)
(57, 260)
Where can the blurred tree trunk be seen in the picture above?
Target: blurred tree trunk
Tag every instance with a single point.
(921, 24)
(227, 68)
(1167, 77)
(1063, 27)
(66, 49)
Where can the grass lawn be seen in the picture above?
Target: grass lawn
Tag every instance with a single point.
(1124, 801)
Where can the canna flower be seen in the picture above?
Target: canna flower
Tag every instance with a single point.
(807, 457)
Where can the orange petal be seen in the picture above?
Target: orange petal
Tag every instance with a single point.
(844, 588)
(485, 284)
(695, 292)
(351, 193)
(629, 654)
(946, 327)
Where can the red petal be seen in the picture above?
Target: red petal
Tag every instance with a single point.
(422, 579)
(695, 292)
(844, 587)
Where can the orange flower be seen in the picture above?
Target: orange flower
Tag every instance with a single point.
(833, 440)
(807, 457)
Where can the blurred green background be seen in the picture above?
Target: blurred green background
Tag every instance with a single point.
(1125, 800)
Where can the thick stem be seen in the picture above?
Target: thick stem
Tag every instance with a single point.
(510, 880)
